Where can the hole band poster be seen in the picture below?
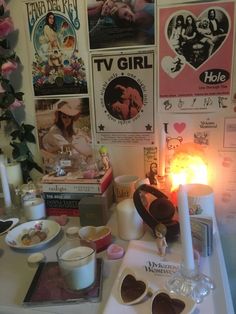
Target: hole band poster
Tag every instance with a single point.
(123, 92)
(55, 52)
(195, 56)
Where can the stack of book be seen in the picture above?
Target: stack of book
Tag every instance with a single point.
(62, 195)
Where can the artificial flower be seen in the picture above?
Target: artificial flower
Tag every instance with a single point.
(8, 67)
(6, 27)
(16, 104)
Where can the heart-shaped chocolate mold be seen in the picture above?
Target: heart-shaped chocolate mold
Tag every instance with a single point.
(5, 225)
(204, 42)
(132, 289)
(164, 304)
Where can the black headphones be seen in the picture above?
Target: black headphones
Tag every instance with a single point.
(161, 210)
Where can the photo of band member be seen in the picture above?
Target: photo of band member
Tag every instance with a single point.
(198, 38)
(123, 98)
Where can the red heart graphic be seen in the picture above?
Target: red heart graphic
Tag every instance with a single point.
(194, 37)
(179, 127)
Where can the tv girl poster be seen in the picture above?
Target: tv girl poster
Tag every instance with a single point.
(55, 43)
(123, 97)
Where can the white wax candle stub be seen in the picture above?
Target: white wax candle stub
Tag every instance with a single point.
(5, 186)
(36, 258)
(72, 232)
(130, 224)
(14, 174)
(185, 229)
(78, 267)
(34, 209)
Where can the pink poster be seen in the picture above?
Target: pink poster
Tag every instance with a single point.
(196, 49)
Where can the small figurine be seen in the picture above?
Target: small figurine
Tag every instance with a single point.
(104, 157)
(160, 232)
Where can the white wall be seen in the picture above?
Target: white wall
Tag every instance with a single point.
(125, 160)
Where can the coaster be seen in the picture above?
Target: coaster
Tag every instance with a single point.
(48, 287)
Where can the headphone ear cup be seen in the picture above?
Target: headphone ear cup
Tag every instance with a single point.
(162, 209)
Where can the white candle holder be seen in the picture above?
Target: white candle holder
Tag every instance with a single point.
(190, 283)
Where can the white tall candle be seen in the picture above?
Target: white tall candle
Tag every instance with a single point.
(5, 186)
(185, 229)
(162, 152)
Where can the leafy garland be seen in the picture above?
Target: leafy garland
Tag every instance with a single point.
(11, 101)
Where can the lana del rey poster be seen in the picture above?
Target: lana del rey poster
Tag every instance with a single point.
(55, 46)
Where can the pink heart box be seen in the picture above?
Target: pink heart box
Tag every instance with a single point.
(101, 236)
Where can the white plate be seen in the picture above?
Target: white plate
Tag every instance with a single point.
(13, 238)
(7, 227)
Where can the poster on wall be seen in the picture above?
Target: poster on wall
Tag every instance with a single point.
(195, 56)
(64, 129)
(123, 97)
(121, 23)
(56, 47)
(186, 132)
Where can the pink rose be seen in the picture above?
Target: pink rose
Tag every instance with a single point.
(16, 104)
(8, 67)
(6, 26)
(3, 3)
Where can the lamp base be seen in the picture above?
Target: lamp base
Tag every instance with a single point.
(190, 283)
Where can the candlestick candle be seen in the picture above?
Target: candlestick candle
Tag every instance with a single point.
(5, 186)
(185, 229)
(162, 146)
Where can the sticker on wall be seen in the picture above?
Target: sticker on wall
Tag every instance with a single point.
(123, 97)
(196, 51)
(195, 104)
(56, 54)
(120, 23)
(230, 133)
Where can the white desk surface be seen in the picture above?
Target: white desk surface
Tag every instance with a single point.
(16, 276)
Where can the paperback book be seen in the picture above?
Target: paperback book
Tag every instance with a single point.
(69, 203)
(202, 234)
(48, 287)
(72, 184)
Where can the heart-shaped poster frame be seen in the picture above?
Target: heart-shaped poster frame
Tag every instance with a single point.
(200, 48)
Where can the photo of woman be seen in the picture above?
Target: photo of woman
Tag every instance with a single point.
(118, 23)
(64, 125)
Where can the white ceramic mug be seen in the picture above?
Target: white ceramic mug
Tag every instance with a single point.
(200, 199)
(124, 186)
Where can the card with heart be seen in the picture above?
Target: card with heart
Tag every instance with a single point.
(6, 225)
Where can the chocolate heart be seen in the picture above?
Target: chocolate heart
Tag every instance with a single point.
(132, 289)
(164, 304)
(5, 225)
